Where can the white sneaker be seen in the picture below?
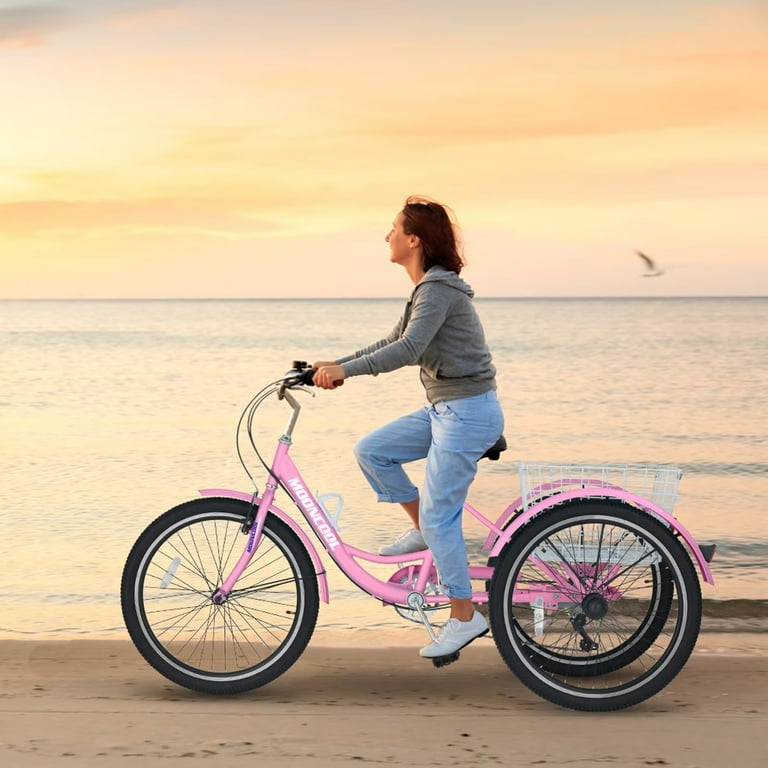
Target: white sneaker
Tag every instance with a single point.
(409, 541)
(455, 634)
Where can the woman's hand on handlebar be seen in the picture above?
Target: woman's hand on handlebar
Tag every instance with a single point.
(328, 375)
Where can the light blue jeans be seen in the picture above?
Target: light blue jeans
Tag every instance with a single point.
(452, 435)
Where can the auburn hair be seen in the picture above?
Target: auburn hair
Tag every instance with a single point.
(433, 224)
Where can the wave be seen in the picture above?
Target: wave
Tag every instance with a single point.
(725, 468)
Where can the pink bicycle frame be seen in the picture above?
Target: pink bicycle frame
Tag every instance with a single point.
(344, 555)
(419, 571)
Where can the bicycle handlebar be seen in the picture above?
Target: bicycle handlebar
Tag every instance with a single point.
(301, 373)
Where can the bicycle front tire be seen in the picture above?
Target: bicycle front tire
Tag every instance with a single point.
(174, 569)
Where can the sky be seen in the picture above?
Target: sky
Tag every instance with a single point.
(257, 148)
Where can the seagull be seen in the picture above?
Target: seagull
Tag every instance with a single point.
(651, 269)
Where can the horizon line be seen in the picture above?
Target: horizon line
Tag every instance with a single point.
(369, 298)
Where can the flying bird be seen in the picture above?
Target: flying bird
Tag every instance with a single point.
(651, 269)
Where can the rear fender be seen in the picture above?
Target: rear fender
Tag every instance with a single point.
(604, 493)
(320, 572)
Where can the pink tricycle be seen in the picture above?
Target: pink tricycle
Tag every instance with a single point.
(590, 582)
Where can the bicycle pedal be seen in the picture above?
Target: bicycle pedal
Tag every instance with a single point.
(443, 661)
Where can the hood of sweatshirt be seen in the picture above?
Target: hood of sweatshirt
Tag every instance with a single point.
(439, 274)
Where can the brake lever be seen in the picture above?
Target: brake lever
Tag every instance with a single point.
(301, 379)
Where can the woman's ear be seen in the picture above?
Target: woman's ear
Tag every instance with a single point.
(414, 241)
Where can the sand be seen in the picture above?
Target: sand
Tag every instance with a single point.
(96, 702)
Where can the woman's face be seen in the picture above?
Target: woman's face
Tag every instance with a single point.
(399, 242)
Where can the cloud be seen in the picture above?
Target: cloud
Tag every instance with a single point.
(29, 25)
(32, 24)
(740, 181)
(215, 218)
(657, 93)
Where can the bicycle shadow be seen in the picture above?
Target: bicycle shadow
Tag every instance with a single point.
(391, 679)
(380, 677)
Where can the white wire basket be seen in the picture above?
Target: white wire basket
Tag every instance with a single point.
(655, 483)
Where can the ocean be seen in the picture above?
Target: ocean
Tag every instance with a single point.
(112, 412)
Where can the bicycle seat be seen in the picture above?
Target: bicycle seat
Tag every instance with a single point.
(496, 449)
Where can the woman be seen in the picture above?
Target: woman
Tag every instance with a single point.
(439, 331)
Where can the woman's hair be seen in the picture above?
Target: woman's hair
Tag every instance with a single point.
(432, 223)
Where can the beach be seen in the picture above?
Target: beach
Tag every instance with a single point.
(97, 702)
(139, 415)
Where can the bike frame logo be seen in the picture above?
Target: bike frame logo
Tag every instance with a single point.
(303, 497)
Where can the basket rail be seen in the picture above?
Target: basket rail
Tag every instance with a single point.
(658, 484)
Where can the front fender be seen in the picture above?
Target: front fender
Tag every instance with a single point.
(322, 578)
(637, 501)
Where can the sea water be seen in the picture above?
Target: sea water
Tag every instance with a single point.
(112, 412)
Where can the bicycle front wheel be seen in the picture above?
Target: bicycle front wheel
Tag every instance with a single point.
(595, 605)
(169, 580)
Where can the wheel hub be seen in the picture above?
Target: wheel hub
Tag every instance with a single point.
(594, 606)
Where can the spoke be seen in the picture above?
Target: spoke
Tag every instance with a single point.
(264, 586)
(255, 620)
(632, 629)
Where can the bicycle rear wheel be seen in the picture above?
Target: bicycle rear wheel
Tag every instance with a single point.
(171, 575)
(620, 605)
(643, 611)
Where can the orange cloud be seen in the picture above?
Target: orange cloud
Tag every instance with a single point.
(196, 127)
(214, 217)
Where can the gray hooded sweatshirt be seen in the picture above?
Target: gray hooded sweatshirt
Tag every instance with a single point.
(438, 331)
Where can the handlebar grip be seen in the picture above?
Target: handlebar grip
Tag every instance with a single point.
(308, 377)
(307, 373)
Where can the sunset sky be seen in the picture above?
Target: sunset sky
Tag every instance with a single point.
(254, 148)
